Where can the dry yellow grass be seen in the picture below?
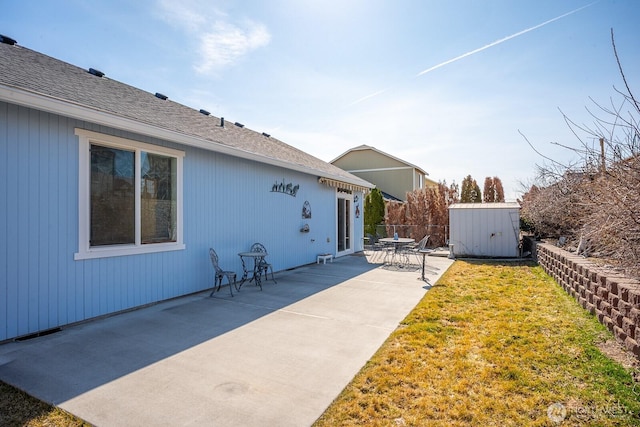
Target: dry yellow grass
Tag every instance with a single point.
(18, 409)
(491, 344)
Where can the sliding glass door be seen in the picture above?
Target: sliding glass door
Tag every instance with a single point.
(345, 224)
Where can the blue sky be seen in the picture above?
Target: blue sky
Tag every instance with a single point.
(445, 85)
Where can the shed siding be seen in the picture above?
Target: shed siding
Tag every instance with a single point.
(228, 205)
(484, 231)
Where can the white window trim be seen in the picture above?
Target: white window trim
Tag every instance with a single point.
(85, 251)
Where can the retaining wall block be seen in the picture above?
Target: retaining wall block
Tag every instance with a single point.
(624, 308)
(604, 307)
(603, 293)
(611, 283)
(628, 327)
(602, 278)
(614, 299)
(607, 322)
(616, 317)
(630, 293)
(582, 301)
(632, 346)
(619, 333)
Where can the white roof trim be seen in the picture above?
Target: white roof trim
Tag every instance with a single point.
(75, 111)
(498, 205)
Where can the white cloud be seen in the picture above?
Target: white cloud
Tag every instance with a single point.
(221, 42)
(227, 43)
(181, 15)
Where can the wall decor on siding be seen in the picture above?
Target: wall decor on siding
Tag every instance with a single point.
(289, 188)
(306, 210)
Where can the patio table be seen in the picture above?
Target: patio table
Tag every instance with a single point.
(257, 258)
(397, 245)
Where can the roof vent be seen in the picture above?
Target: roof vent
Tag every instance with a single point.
(161, 96)
(205, 112)
(240, 125)
(266, 134)
(221, 122)
(95, 72)
(7, 40)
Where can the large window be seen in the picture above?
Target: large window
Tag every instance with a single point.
(130, 197)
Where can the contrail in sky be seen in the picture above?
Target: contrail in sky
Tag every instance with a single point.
(502, 40)
(497, 42)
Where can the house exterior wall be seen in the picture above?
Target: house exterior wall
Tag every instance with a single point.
(484, 230)
(394, 182)
(227, 204)
(367, 159)
(388, 174)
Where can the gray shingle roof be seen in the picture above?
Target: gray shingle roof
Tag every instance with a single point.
(28, 71)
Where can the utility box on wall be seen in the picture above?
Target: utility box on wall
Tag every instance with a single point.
(484, 230)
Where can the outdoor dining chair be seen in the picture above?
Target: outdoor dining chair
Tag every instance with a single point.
(417, 249)
(263, 266)
(378, 249)
(220, 273)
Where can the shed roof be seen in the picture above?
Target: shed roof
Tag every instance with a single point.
(500, 205)
(35, 80)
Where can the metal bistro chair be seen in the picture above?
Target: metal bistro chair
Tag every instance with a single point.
(263, 266)
(377, 248)
(417, 249)
(220, 273)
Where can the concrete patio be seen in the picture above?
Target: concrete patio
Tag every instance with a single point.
(273, 357)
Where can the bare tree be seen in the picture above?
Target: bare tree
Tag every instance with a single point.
(426, 211)
(595, 201)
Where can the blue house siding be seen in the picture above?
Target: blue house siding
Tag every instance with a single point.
(228, 204)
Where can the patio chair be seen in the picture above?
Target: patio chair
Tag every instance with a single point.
(417, 249)
(376, 247)
(220, 273)
(371, 242)
(263, 266)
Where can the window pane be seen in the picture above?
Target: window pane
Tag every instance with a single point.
(158, 198)
(112, 196)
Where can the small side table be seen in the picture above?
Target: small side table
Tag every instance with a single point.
(324, 258)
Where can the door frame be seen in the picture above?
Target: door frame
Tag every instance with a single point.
(344, 225)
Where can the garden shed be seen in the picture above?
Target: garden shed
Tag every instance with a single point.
(484, 230)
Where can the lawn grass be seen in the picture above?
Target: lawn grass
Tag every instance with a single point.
(19, 409)
(491, 344)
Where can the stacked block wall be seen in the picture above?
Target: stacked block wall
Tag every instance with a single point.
(614, 299)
